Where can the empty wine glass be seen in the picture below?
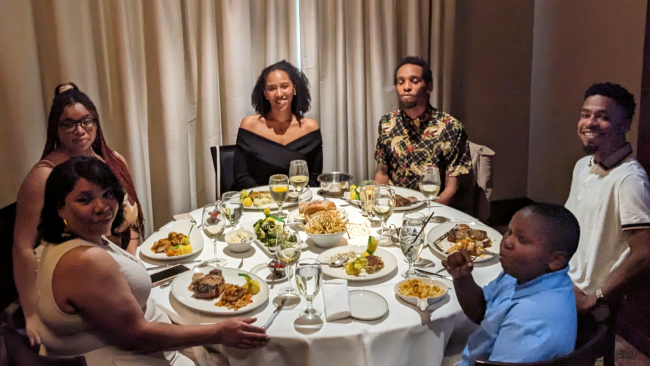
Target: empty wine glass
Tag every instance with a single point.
(213, 227)
(430, 187)
(288, 254)
(411, 226)
(279, 187)
(309, 277)
(384, 205)
(231, 207)
(298, 176)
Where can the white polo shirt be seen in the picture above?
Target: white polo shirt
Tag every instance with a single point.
(607, 199)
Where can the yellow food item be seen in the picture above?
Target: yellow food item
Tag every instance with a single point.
(372, 244)
(365, 254)
(267, 212)
(248, 202)
(353, 188)
(180, 250)
(354, 268)
(280, 189)
(252, 287)
(354, 195)
(417, 288)
(185, 240)
(244, 193)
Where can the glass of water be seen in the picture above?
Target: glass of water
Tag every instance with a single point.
(309, 277)
(231, 207)
(288, 254)
(412, 224)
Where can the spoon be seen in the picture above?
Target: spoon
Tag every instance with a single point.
(338, 263)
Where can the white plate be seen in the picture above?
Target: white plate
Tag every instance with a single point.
(182, 226)
(262, 271)
(231, 275)
(404, 192)
(367, 305)
(305, 196)
(441, 247)
(390, 263)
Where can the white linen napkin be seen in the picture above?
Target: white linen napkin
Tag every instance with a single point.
(336, 299)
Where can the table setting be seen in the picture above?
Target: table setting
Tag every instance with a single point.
(326, 298)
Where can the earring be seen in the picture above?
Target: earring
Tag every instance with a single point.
(294, 92)
(66, 229)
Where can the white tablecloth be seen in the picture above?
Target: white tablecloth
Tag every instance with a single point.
(405, 336)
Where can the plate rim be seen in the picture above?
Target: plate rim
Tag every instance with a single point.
(146, 250)
(217, 311)
(360, 279)
(376, 293)
(478, 260)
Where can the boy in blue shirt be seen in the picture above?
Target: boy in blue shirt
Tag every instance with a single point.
(528, 313)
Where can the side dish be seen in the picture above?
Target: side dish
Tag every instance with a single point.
(417, 288)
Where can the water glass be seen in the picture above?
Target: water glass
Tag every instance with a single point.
(279, 187)
(411, 247)
(309, 277)
(231, 207)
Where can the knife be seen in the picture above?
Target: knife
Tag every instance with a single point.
(275, 313)
(434, 274)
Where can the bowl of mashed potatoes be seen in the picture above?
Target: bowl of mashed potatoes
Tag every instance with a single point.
(240, 240)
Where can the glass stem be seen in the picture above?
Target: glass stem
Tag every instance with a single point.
(290, 277)
(310, 306)
(383, 231)
(214, 242)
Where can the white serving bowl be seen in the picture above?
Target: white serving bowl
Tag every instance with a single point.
(425, 303)
(240, 247)
(326, 240)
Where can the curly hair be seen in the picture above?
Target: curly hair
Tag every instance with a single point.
(622, 96)
(69, 94)
(427, 75)
(62, 181)
(301, 101)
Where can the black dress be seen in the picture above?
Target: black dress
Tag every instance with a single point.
(257, 158)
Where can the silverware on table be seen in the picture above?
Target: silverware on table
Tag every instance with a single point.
(433, 274)
(174, 264)
(275, 313)
(241, 264)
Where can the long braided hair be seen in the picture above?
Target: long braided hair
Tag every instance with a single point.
(69, 94)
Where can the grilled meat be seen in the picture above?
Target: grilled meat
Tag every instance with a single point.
(210, 287)
(233, 293)
(375, 264)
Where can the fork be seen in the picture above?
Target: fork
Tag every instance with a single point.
(241, 264)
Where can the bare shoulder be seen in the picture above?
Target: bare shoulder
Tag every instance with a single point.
(122, 159)
(251, 122)
(310, 125)
(88, 262)
(34, 183)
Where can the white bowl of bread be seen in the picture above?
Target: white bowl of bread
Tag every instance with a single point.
(325, 225)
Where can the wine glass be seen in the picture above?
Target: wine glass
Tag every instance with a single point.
(430, 187)
(412, 224)
(298, 176)
(279, 187)
(309, 277)
(383, 207)
(366, 196)
(288, 254)
(231, 207)
(213, 227)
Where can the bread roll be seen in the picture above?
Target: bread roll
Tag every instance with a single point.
(329, 205)
(313, 208)
(302, 207)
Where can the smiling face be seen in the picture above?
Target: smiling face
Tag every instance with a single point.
(79, 141)
(279, 90)
(411, 88)
(89, 210)
(603, 124)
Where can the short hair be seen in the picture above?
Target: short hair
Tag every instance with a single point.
(301, 101)
(427, 76)
(565, 233)
(622, 96)
(62, 181)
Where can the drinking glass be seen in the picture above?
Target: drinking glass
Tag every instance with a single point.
(309, 277)
(288, 254)
(231, 207)
(412, 224)
(279, 187)
(298, 176)
(366, 196)
(213, 227)
(430, 187)
(383, 207)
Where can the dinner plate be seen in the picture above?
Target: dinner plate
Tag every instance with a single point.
(181, 226)
(186, 297)
(307, 195)
(367, 305)
(390, 263)
(444, 244)
(404, 192)
(262, 271)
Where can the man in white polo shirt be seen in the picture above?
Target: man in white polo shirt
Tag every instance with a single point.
(610, 197)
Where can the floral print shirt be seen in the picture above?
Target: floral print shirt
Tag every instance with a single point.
(408, 145)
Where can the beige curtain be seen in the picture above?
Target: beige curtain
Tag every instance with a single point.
(349, 50)
(170, 78)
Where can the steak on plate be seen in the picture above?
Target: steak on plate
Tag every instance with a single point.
(211, 286)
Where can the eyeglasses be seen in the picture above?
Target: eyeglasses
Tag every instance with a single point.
(70, 125)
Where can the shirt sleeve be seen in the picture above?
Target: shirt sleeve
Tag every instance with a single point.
(634, 199)
(459, 161)
(383, 143)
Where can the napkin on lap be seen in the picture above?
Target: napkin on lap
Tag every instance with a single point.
(336, 299)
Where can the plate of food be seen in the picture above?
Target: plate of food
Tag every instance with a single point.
(223, 291)
(172, 242)
(421, 291)
(266, 232)
(260, 197)
(308, 210)
(406, 199)
(360, 265)
(479, 240)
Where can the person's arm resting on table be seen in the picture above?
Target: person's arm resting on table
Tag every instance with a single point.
(469, 294)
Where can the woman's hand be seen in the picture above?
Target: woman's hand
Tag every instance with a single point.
(459, 264)
(31, 325)
(239, 333)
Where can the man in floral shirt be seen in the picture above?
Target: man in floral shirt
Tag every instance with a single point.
(418, 135)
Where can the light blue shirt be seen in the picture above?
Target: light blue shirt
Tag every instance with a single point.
(535, 321)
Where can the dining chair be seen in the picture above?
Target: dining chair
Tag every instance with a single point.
(8, 292)
(482, 179)
(585, 355)
(223, 159)
(632, 320)
(16, 351)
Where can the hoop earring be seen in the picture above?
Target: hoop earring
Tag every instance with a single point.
(66, 229)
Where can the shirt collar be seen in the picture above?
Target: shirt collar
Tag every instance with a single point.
(614, 159)
(542, 283)
(426, 116)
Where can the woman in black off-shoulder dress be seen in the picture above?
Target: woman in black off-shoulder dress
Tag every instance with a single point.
(267, 142)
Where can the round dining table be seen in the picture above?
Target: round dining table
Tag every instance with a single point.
(404, 336)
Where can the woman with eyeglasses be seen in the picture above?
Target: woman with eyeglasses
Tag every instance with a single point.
(73, 130)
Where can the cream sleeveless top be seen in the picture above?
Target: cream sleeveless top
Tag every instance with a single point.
(66, 335)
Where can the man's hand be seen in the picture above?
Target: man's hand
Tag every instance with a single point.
(240, 333)
(459, 264)
(584, 303)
